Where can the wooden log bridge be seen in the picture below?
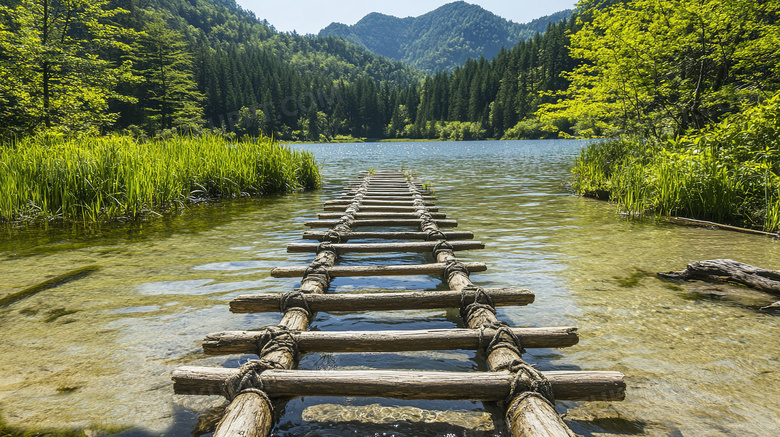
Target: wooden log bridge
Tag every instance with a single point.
(390, 199)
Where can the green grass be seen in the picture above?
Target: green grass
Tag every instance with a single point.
(99, 178)
(727, 173)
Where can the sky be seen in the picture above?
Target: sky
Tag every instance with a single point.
(311, 16)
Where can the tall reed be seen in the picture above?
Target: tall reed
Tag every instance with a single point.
(98, 178)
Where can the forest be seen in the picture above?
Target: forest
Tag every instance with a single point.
(166, 66)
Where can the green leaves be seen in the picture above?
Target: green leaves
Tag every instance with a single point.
(657, 69)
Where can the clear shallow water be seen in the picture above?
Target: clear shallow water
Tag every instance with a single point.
(696, 363)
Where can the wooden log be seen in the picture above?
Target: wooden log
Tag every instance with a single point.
(534, 417)
(406, 300)
(374, 208)
(399, 270)
(400, 202)
(451, 235)
(478, 386)
(693, 222)
(526, 416)
(245, 342)
(380, 215)
(417, 247)
(384, 196)
(729, 271)
(380, 222)
(248, 414)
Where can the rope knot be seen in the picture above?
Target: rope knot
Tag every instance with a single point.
(452, 267)
(528, 382)
(482, 301)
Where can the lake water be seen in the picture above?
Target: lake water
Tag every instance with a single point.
(98, 351)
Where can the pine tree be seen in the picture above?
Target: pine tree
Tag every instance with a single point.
(171, 98)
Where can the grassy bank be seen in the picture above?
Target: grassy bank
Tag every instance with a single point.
(100, 178)
(727, 173)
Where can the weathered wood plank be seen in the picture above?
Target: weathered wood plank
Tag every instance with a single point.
(406, 300)
(245, 342)
(398, 270)
(380, 222)
(416, 247)
(478, 386)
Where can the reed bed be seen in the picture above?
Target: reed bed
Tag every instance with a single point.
(101, 178)
(728, 173)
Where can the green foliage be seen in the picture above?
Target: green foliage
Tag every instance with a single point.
(728, 172)
(657, 69)
(98, 178)
(440, 40)
(56, 68)
(168, 96)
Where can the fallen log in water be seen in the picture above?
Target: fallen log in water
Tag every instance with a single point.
(731, 272)
(477, 386)
(48, 284)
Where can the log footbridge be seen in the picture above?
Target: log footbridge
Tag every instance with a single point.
(526, 394)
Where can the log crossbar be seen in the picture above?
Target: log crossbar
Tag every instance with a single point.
(400, 270)
(477, 386)
(384, 247)
(391, 199)
(450, 235)
(246, 342)
(406, 300)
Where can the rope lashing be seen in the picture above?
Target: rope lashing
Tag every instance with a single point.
(332, 236)
(502, 338)
(435, 235)
(452, 267)
(248, 380)
(482, 301)
(294, 299)
(528, 382)
(442, 246)
(317, 273)
(326, 246)
(276, 338)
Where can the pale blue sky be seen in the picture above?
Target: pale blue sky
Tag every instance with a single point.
(310, 16)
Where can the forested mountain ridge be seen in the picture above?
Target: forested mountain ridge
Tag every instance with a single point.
(443, 39)
(155, 65)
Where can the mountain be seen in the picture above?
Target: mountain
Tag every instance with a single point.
(440, 40)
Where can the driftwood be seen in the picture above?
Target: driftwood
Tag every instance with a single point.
(405, 300)
(399, 270)
(403, 384)
(384, 247)
(451, 235)
(48, 284)
(731, 272)
(246, 342)
(693, 222)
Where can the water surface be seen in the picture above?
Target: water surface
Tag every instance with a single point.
(99, 350)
